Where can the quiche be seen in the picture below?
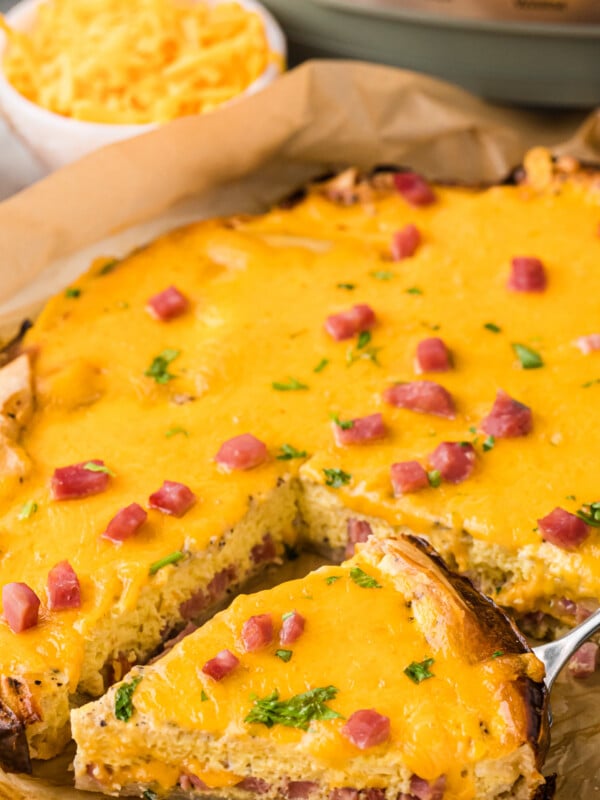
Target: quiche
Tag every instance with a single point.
(376, 355)
(328, 686)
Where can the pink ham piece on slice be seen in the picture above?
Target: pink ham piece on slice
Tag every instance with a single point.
(359, 431)
(300, 790)
(188, 782)
(172, 498)
(527, 274)
(292, 628)
(21, 606)
(357, 530)
(345, 793)
(221, 665)
(125, 523)
(257, 632)
(408, 477)
(563, 529)
(254, 785)
(508, 418)
(424, 790)
(167, 305)
(64, 590)
(78, 480)
(414, 188)
(454, 461)
(583, 663)
(588, 344)
(242, 452)
(347, 323)
(264, 551)
(405, 242)
(366, 728)
(432, 356)
(425, 397)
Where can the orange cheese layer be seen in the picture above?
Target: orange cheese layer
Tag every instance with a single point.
(259, 294)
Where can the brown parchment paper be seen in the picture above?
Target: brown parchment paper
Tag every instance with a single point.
(322, 115)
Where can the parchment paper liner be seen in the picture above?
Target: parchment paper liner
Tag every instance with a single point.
(322, 115)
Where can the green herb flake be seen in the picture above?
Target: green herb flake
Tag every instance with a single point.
(361, 351)
(330, 579)
(593, 382)
(284, 655)
(498, 653)
(344, 424)
(288, 452)
(123, 699)
(529, 358)
(472, 429)
(172, 558)
(73, 292)
(418, 671)
(28, 509)
(336, 478)
(203, 696)
(414, 290)
(321, 365)
(91, 466)
(590, 514)
(348, 286)
(488, 443)
(175, 431)
(293, 385)
(570, 497)
(364, 337)
(491, 326)
(363, 580)
(434, 477)
(149, 795)
(383, 275)
(297, 712)
(287, 615)
(108, 266)
(159, 369)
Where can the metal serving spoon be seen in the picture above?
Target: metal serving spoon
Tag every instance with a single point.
(555, 655)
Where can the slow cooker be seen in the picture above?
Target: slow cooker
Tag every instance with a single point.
(534, 52)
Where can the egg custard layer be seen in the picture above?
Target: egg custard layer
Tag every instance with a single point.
(389, 651)
(156, 400)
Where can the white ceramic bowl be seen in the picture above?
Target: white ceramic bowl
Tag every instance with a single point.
(56, 140)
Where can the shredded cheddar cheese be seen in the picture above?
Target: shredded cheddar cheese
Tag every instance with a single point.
(135, 62)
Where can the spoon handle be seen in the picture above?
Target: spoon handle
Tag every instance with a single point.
(555, 655)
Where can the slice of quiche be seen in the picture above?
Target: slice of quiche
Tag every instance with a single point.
(385, 677)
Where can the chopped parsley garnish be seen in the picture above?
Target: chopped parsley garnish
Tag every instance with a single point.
(29, 508)
(590, 514)
(414, 290)
(363, 580)
(419, 670)
(172, 558)
(529, 358)
(288, 452)
(434, 477)
(293, 385)
(332, 579)
(91, 466)
(498, 653)
(348, 286)
(321, 365)
(287, 615)
(383, 275)
(123, 701)
(364, 337)
(344, 424)
(159, 369)
(488, 443)
(297, 712)
(336, 478)
(362, 350)
(174, 431)
(570, 497)
(203, 696)
(108, 266)
(284, 655)
(73, 292)
(491, 326)
(587, 384)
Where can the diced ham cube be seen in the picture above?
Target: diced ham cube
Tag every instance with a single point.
(362, 431)
(257, 632)
(221, 582)
(432, 356)
(221, 665)
(167, 305)
(242, 452)
(357, 530)
(21, 606)
(408, 477)
(454, 461)
(347, 323)
(254, 785)
(563, 529)
(528, 275)
(300, 790)
(292, 628)
(366, 728)
(425, 397)
(172, 498)
(583, 663)
(508, 418)
(125, 523)
(264, 551)
(424, 790)
(345, 793)
(414, 188)
(405, 242)
(588, 344)
(64, 590)
(75, 481)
